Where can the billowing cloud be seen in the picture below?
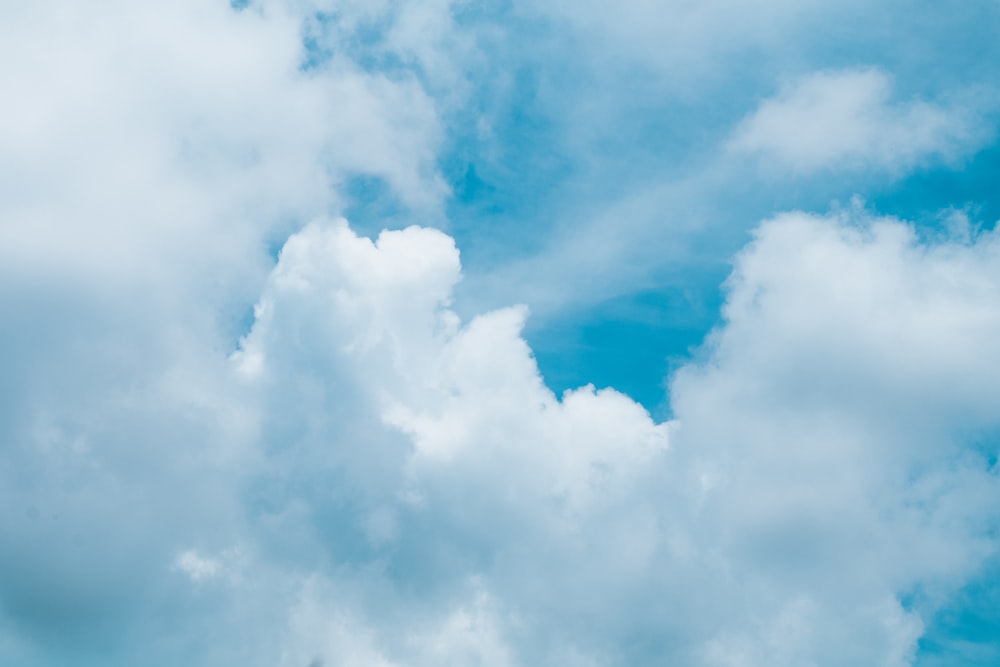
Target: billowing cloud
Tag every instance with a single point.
(817, 496)
(153, 154)
(216, 453)
(404, 490)
(848, 397)
(414, 495)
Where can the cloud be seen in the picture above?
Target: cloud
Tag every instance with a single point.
(420, 36)
(847, 119)
(815, 500)
(385, 484)
(355, 474)
(847, 395)
(153, 153)
(140, 151)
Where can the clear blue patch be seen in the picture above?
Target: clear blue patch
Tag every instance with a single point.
(632, 343)
(922, 197)
(967, 632)
(371, 206)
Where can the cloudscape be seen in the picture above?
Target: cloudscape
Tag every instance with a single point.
(429, 333)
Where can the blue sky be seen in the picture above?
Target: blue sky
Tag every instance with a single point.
(404, 333)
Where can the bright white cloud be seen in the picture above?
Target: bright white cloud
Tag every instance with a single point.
(834, 417)
(847, 119)
(817, 473)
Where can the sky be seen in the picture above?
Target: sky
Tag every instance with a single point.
(430, 333)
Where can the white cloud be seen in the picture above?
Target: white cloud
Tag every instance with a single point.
(847, 119)
(372, 317)
(836, 409)
(406, 491)
(158, 135)
(321, 632)
(816, 474)
(151, 153)
(402, 486)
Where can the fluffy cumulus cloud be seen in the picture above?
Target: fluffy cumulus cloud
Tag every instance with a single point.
(404, 490)
(847, 424)
(828, 480)
(847, 118)
(236, 431)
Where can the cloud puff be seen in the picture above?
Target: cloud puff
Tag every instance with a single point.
(847, 423)
(847, 119)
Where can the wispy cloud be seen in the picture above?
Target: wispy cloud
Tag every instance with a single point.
(847, 119)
